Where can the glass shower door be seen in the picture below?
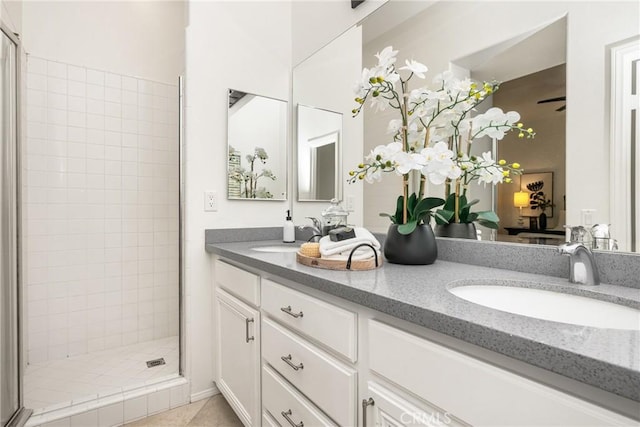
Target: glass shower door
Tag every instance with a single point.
(10, 400)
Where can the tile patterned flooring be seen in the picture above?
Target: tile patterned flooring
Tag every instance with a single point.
(212, 412)
(55, 384)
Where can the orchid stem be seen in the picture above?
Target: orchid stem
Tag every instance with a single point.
(457, 202)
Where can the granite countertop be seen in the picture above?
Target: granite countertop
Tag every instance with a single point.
(608, 359)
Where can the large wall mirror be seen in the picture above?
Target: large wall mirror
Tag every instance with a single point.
(555, 70)
(319, 154)
(257, 154)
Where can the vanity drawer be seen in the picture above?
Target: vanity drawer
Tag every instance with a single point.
(472, 390)
(279, 399)
(238, 282)
(328, 383)
(268, 420)
(330, 325)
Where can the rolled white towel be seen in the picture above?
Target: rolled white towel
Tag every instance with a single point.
(329, 248)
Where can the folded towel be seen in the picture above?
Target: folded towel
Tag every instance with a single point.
(329, 248)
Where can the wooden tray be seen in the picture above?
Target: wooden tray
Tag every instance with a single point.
(334, 264)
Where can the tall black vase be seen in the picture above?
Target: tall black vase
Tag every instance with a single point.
(542, 221)
(458, 230)
(417, 248)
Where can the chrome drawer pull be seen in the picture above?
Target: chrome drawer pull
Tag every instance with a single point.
(246, 330)
(287, 360)
(286, 417)
(287, 310)
(365, 403)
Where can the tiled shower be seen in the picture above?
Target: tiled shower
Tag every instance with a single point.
(100, 191)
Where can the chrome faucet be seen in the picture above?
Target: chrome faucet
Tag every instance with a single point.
(584, 270)
(316, 228)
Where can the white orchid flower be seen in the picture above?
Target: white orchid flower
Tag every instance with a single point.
(416, 68)
(491, 175)
(363, 85)
(439, 172)
(394, 126)
(382, 153)
(438, 164)
(443, 78)
(379, 103)
(488, 171)
(386, 57)
(494, 123)
(373, 175)
(406, 162)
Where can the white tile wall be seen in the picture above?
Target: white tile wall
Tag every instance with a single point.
(101, 182)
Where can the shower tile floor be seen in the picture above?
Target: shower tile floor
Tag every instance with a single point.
(59, 383)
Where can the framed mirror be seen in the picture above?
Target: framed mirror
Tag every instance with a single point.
(318, 151)
(257, 147)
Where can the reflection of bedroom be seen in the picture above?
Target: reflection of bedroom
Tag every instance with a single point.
(543, 161)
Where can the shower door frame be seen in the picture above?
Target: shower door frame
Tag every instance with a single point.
(21, 415)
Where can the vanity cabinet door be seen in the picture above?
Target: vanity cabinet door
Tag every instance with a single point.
(473, 390)
(382, 407)
(238, 351)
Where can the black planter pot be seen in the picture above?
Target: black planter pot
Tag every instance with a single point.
(542, 221)
(457, 230)
(417, 248)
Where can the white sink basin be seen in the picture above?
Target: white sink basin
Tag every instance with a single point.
(277, 248)
(549, 305)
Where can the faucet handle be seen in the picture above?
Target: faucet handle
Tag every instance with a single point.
(316, 222)
(569, 248)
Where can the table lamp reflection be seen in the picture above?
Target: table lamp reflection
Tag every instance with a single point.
(521, 200)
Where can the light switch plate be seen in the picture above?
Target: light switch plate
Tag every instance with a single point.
(587, 217)
(351, 200)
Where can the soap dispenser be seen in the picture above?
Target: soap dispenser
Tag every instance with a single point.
(289, 230)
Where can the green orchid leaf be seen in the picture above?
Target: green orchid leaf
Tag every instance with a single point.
(424, 207)
(488, 216)
(391, 217)
(462, 201)
(472, 217)
(443, 216)
(450, 204)
(428, 203)
(468, 205)
(408, 227)
(488, 224)
(463, 215)
(399, 210)
(411, 204)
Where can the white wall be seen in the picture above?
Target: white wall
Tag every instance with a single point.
(442, 39)
(326, 81)
(315, 23)
(244, 46)
(11, 15)
(136, 38)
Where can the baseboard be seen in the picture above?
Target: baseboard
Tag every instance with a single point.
(205, 394)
